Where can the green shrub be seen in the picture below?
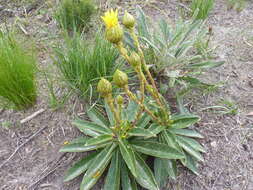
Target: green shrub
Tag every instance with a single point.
(83, 63)
(177, 52)
(17, 73)
(203, 7)
(136, 127)
(74, 14)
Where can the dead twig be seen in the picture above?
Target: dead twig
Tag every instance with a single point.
(19, 147)
(32, 116)
(57, 165)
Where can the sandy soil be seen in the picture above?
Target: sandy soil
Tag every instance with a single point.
(228, 138)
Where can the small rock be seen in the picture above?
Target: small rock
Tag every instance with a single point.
(214, 144)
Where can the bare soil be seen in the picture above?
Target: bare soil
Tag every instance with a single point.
(228, 164)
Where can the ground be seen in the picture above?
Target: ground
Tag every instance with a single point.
(228, 138)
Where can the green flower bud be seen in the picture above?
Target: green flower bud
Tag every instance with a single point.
(135, 59)
(120, 78)
(104, 87)
(120, 100)
(114, 34)
(128, 20)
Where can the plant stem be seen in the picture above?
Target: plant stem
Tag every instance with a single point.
(135, 99)
(154, 92)
(109, 100)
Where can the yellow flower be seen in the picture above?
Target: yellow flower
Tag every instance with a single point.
(111, 19)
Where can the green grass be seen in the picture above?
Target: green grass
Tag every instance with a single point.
(74, 14)
(83, 63)
(203, 6)
(17, 73)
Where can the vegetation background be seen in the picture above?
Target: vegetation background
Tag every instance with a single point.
(228, 137)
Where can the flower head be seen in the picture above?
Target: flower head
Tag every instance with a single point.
(128, 20)
(104, 87)
(120, 78)
(110, 18)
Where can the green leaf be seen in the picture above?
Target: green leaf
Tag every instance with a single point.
(207, 64)
(99, 140)
(184, 120)
(156, 129)
(186, 132)
(145, 176)
(84, 125)
(109, 114)
(97, 167)
(131, 111)
(79, 167)
(79, 140)
(128, 155)
(112, 181)
(190, 163)
(161, 171)
(127, 182)
(170, 139)
(172, 168)
(144, 120)
(139, 132)
(193, 143)
(156, 149)
(188, 148)
(80, 147)
(97, 117)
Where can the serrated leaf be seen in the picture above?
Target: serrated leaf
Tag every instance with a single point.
(80, 147)
(139, 132)
(97, 167)
(184, 120)
(99, 140)
(97, 117)
(156, 129)
(79, 167)
(188, 148)
(84, 125)
(112, 181)
(186, 132)
(145, 176)
(128, 155)
(156, 149)
(207, 64)
(194, 144)
(127, 183)
(161, 171)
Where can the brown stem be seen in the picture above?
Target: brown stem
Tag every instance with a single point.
(133, 97)
(110, 102)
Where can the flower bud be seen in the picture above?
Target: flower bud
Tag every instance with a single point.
(120, 100)
(135, 59)
(128, 20)
(114, 34)
(104, 87)
(120, 78)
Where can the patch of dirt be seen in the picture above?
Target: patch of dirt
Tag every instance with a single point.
(228, 139)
